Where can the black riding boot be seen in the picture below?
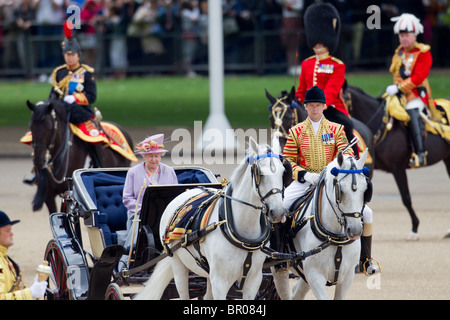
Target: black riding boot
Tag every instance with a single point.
(419, 157)
(366, 256)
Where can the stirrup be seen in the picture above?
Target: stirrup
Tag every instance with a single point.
(371, 269)
(414, 160)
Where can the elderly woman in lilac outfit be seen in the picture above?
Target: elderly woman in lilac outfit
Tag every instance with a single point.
(150, 172)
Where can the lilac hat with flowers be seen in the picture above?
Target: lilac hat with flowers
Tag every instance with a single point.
(152, 144)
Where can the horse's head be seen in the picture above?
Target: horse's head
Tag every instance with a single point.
(269, 176)
(348, 190)
(44, 128)
(285, 112)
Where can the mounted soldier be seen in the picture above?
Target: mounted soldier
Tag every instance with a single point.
(410, 68)
(74, 84)
(322, 28)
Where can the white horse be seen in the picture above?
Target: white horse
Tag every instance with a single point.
(333, 228)
(256, 196)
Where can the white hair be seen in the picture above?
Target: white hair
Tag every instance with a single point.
(407, 22)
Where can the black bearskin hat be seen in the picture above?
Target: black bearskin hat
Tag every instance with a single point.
(70, 44)
(315, 94)
(322, 25)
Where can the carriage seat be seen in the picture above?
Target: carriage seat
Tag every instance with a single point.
(112, 216)
(106, 189)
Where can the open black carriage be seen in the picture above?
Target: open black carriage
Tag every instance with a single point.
(95, 196)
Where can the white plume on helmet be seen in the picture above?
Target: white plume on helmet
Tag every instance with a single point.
(407, 22)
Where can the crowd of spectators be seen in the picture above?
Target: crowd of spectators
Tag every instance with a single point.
(135, 32)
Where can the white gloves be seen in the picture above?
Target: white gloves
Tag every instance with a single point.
(392, 89)
(69, 99)
(311, 177)
(38, 288)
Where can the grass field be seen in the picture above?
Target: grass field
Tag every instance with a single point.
(179, 101)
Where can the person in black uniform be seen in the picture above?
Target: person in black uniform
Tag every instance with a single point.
(73, 82)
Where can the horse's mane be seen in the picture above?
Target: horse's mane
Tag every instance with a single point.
(41, 109)
(362, 92)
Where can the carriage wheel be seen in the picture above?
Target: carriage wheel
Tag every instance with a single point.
(58, 277)
(113, 292)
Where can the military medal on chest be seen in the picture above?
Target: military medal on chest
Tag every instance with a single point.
(325, 68)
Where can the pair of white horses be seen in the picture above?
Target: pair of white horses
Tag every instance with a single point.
(254, 182)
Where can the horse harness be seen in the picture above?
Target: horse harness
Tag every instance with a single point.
(226, 224)
(278, 119)
(327, 237)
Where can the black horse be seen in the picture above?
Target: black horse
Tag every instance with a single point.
(285, 112)
(393, 147)
(57, 152)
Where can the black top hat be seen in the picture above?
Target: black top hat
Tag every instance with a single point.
(315, 94)
(4, 220)
(322, 25)
(71, 44)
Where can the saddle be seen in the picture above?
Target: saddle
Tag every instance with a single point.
(109, 134)
(396, 110)
(192, 215)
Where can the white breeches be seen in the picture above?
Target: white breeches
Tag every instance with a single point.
(416, 103)
(293, 192)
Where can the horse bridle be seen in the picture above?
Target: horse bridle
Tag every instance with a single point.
(256, 176)
(49, 160)
(338, 192)
(278, 119)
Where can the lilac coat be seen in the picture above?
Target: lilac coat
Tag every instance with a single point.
(135, 180)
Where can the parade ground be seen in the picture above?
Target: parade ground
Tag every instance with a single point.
(417, 270)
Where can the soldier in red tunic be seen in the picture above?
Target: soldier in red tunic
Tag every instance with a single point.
(410, 67)
(322, 28)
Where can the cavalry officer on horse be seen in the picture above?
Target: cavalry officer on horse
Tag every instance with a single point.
(313, 144)
(75, 84)
(410, 67)
(322, 28)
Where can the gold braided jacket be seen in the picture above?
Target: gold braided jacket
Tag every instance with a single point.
(308, 151)
(8, 279)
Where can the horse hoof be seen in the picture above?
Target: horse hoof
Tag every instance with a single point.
(413, 236)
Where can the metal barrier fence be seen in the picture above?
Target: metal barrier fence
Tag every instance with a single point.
(259, 51)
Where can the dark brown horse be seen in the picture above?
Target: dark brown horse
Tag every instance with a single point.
(393, 147)
(285, 112)
(57, 152)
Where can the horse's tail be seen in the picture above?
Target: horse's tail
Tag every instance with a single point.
(41, 193)
(155, 286)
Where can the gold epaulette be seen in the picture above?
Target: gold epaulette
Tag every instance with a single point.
(88, 68)
(54, 74)
(423, 47)
(336, 60)
(312, 57)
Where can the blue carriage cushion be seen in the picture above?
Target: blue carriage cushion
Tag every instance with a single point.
(191, 176)
(112, 213)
